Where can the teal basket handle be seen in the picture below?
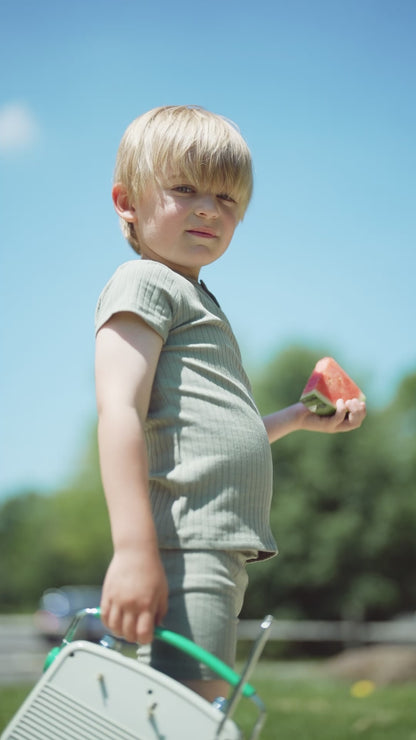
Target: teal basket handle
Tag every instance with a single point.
(214, 663)
(172, 638)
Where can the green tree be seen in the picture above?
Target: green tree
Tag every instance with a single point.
(343, 511)
(21, 530)
(54, 540)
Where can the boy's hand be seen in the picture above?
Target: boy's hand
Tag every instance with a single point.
(135, 595)
(348, 415)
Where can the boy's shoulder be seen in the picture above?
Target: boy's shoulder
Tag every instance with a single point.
(144, 287)
(143, 281)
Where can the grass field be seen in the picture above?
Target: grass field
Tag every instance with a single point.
(306, 708)
(318, 708)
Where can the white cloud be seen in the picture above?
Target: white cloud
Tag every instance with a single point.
(18, 127)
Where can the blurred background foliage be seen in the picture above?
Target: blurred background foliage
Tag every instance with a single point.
(343, 514)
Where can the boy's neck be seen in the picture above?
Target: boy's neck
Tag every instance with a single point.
(191, 273)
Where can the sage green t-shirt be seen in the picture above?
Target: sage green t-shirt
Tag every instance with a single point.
(210, 464)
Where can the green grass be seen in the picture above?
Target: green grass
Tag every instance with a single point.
(11, 698)
(317, 708)
(305, 708)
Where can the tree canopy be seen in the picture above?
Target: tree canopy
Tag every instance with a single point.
(344, 509)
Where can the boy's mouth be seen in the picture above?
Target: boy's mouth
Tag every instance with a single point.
(204, 233)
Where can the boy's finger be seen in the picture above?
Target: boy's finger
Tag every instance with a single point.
(354, 405)
(144, 628)
(356, 411)
(129, 627)
(112, 618)
(341, 407)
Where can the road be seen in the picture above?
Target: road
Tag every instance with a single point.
(22, 651)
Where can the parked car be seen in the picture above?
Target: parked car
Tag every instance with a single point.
(57, 607)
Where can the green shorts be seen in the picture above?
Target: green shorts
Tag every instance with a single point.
(206, 593)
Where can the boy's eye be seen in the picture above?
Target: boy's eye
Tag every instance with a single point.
(225, 196)
(183, 189)
(190, 189)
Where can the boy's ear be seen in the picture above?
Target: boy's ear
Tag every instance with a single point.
(122, 203)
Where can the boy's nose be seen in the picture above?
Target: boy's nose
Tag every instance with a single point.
(206, 205)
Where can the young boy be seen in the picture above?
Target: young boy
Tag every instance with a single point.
(185, 456)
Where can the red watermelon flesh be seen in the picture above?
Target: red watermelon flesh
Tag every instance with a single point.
(327, 383)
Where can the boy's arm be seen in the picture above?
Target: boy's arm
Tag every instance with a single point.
(349, 415)
(135, 590)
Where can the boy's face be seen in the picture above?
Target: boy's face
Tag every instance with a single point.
(184, 227)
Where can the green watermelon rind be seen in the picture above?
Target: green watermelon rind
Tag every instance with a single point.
(318, 403)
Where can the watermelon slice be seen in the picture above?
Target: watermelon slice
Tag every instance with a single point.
(327, 383)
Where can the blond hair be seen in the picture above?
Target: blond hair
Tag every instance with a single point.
(204, 148)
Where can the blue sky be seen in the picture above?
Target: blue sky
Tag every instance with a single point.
(324, 93)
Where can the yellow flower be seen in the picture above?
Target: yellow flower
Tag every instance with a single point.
(361, 689)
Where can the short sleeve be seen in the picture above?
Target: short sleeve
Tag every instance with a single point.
(144, 288)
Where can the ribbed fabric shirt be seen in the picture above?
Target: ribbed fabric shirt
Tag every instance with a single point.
(210, 467)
